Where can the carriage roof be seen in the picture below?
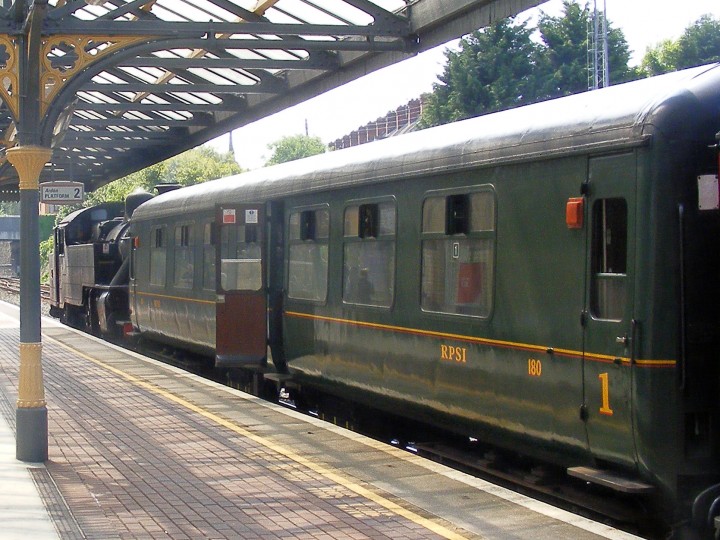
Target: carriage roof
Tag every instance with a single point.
(619, 116)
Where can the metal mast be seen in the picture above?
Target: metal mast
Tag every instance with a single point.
(598, 61)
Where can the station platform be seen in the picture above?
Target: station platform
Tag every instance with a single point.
(139, 449)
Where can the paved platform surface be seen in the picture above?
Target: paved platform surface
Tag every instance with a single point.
(138, 449)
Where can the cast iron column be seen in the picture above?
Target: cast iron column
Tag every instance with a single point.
(31, 412)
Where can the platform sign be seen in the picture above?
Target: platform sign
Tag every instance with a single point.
(62, 192)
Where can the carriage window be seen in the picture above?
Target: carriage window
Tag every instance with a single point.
(434, 215)
(208, 257)
(456, 216)
(158, 252)
(241, 257)
(309, 231)
(369, 254)
(458, 247)
(183, 257)
(609, 258)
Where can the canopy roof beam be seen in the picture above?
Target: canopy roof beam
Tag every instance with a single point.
(131, 81)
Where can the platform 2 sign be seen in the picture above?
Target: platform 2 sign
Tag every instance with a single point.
(62, 192)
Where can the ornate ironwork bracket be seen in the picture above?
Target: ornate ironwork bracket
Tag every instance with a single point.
(63, 57)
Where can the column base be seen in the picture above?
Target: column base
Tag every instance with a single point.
(32, 434)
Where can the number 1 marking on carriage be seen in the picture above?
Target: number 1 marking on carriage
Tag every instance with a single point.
(605, 390)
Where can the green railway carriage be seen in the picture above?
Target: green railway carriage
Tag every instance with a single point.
(545, 278)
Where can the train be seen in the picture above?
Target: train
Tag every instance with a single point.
(546, 279)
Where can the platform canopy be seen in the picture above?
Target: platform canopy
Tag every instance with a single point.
(113, 86)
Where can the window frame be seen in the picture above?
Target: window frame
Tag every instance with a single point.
(184, 245)
(366, 235)
(602, 281)
(303, 239)
(209, 247)
(452, 195)
(157, 248)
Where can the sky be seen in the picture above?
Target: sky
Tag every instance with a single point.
(336, 113)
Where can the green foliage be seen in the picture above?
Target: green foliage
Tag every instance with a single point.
(10, 208)
(199, 165)
(699, 44)
(46, 249)
(566, 46)
(660, 59)
(119, 189)
(494, 69)
(566, 40)
(192, 167)
(501, 67)
(295, 147)
(45, 226)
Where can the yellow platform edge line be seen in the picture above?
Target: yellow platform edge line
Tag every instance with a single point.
(297, 458)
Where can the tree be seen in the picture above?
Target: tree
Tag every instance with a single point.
(501, 67)
(199, 165)
(495, 68)
(294, 147)
(46, 249)
(660, 59)
(192, 167)
(698, 45)
(566, 42)
(9, 208)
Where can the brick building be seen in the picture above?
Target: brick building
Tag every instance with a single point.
(402, 120)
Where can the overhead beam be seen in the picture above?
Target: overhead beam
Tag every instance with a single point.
(439, 21)
(236, 105)
(121, 145)
(80, 138)
(265, 87)
(291, 43)
(201, 29)
(311, 62)
(316, 58)
(198, 120)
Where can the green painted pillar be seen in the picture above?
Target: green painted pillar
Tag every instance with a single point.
(31, 412)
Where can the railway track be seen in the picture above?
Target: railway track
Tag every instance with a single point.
(12, 285)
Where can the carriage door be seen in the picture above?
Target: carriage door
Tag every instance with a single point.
(609, 339)
(241, 312)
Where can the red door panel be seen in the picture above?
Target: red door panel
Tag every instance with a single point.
(241, 313)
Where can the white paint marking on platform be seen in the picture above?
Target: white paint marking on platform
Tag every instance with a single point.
(8, 321)
(22, 512)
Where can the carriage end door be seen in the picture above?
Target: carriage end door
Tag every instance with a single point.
(241, 312)
(609, 340)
